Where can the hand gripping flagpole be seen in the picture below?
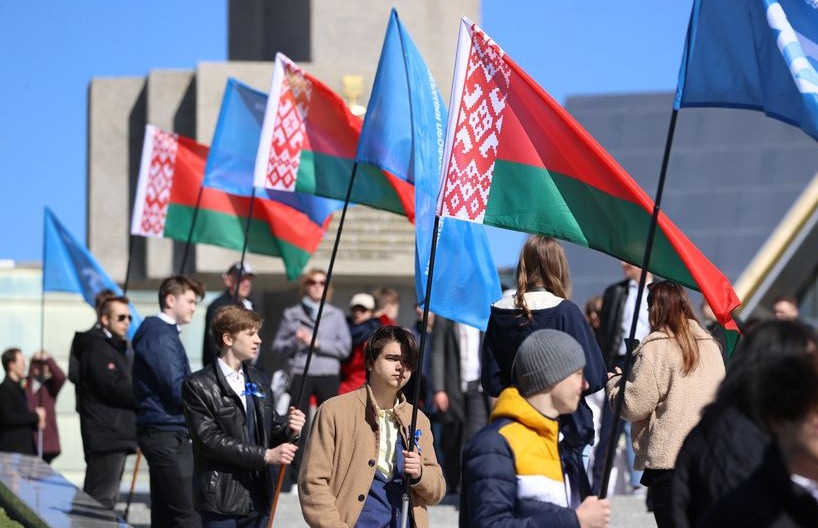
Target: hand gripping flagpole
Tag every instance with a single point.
(282, 472)
(419, 372)
(631, 342)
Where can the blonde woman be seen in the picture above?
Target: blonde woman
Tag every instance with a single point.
(333, 344)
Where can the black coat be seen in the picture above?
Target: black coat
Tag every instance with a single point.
(720, 453)
(609, 335)
(81, 341)
(17, 423)
(227, 463)
(445, 369)
(507, 329)
(768, 499)
(105, 398)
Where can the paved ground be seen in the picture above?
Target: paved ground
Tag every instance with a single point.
(628, 512)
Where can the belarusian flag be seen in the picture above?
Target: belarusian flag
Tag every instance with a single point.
(308, 144)
(170, 177)
(403, 133)
(515, 159)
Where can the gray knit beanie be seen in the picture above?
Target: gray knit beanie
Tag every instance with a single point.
(545, 358)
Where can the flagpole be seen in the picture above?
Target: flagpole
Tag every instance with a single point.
(42, 378)
(190, 233)
(246, 243)
(418, 373)
(128, 267)
(133, 485)
(406, 498)
(282, 472)
(42, 338)
(129, 499)
(631, 342)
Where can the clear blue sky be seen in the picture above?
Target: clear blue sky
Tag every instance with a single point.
(51, 50)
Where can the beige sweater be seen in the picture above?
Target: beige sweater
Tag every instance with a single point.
(663, 404)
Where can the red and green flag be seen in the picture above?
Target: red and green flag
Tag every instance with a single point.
(515, 159)
(170, 177)
(308, 144)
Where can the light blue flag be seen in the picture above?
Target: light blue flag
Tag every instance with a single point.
(69, 267)
(404, 133)
(232, 157)
(756, 54)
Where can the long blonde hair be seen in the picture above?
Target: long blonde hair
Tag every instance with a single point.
(669, 311)
(542, 265)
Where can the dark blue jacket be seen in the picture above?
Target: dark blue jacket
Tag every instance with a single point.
(507, 328)
(489, 497)
(159, 369)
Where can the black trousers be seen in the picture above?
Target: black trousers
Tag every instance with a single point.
(455, 434)
(606, 425)
(658, 482)
(170, 457)
(103, 474)
(323, 388)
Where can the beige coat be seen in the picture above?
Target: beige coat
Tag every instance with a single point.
(340, 461)
(663, 404)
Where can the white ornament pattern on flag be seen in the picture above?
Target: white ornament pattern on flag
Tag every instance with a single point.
(289, 131)
(477, 132)
(160, 181)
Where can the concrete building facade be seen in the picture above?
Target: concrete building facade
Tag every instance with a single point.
(344, 43)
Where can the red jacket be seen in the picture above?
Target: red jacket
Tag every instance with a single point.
(52, 386)
(353, 370)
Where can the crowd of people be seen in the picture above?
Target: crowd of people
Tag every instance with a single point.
(516, 419)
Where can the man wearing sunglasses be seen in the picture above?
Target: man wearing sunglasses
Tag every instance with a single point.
(105, 402)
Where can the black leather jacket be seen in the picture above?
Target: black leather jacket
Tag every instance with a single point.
(227, 464)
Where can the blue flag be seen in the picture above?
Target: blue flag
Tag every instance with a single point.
(756, 54)
(69, 267)
(232, 157)
(404, 133)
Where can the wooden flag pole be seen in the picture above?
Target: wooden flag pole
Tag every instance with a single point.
(283, 470)
(631, 342)
(133, 485)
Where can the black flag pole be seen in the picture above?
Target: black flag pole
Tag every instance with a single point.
(246, 242)
(631, 342)
(300, 394)
(419, 372)
(192, 226)
(129, 499)
(131, 240)
(42, 350)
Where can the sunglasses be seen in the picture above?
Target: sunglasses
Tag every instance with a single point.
(122, 317)
(313, 282)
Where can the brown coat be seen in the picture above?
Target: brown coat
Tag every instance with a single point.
(663, 404)
(341, 456)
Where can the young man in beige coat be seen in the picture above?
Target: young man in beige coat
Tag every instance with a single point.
(357, 455)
